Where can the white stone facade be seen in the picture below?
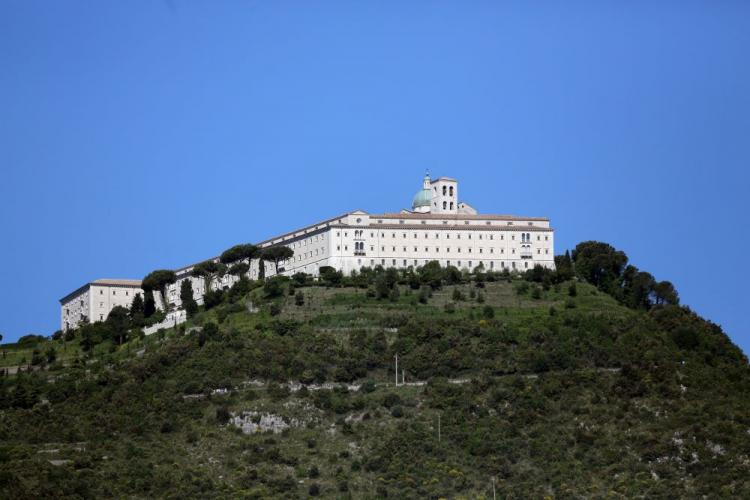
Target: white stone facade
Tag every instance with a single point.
(94, 301)
(439, 227)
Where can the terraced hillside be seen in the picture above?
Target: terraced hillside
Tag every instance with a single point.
(534, 387)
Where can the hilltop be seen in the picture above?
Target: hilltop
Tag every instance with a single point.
(590, 380)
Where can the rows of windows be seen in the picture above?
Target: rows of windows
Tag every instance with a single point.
(457, 263)
(358, 234)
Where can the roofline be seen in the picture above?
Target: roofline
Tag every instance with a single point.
(82, 288)
(453, 227)
(261, 243)
(417, 215)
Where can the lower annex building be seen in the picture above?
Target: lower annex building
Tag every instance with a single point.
(438, 227)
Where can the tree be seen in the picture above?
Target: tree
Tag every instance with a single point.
(330, 276)
(638, 288)
(239, 253)
(599, 263)
(431, 274)
(563, 267)
(149, 304)
(665, 293)
(186, 295)
(208, 270)
(299, 298)
(276, 254)
(158, 281)
(239, 269)
(137, 313)
(118, 322)
(261, 270)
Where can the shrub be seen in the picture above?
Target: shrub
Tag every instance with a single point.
(313, 472)
(450, 308)
(536, 293)
(222, 415)
(397, 412)
(572, 290)
(314, 490)
(488, 312)
(391, 399)
(299, 298)
(457, 295)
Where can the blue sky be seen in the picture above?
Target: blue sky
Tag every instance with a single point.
(140, 135)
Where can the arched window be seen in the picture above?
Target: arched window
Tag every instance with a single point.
(444, 203)
(443, 190)
(451, 190)
(451, 204)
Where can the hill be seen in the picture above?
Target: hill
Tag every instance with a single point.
(570, 383)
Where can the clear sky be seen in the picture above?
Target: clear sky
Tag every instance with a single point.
(143, 134)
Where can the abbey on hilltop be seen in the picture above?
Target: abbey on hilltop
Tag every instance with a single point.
(438, 227)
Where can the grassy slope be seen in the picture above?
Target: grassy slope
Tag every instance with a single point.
(584, 401)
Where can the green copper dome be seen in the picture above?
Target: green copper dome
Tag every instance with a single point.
(423, 198)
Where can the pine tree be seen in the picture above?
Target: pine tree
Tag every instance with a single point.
(186, 295)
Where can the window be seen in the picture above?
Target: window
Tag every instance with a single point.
(400, 221)
(444, 190)
(101, 292)
(451, 194)
(114, 292)
(338, 233)
(445, 205)
(451, 205)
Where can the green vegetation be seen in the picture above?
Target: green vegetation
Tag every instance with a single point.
(589, 381)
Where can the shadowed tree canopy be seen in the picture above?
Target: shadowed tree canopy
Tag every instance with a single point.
(238, 253)
(239, 269)
(157, 280)
(277, 254)
(599, 263)
(207, 270)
